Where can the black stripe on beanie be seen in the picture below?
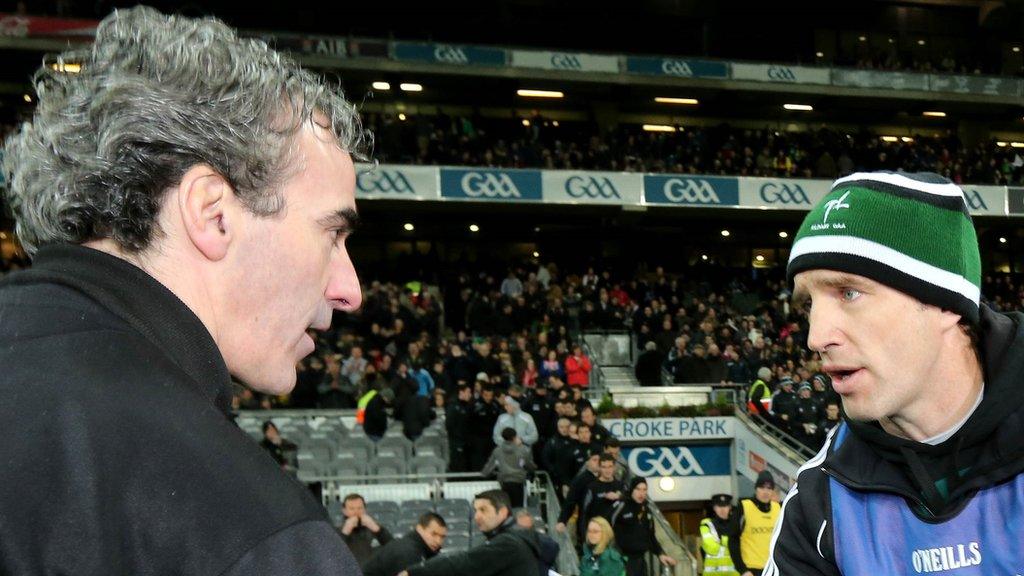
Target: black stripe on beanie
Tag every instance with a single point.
(954, 203)
(889, 276)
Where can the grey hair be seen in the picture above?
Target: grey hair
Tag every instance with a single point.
(157, 95)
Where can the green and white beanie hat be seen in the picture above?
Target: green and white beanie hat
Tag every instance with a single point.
(911, 232)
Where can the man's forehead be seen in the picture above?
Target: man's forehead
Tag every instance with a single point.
(822, 278)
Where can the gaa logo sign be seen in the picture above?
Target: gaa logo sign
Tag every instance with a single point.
(781, 73)
(693, 191)
(450, 54)
(384, 182)
(666, 461)
(676, 68)
(974, 200)
(566, 62)
(591, 187)
(785, 194)
(489, 185)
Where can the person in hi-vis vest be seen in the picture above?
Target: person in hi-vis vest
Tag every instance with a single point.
(756, 518)
(716, 532)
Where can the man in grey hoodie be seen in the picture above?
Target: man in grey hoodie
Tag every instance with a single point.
(512, 461)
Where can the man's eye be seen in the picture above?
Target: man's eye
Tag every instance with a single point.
(849, 294)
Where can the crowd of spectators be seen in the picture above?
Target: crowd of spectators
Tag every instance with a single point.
(717, 150)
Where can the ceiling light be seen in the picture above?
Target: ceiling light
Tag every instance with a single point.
(554, 123)
(540, 93)
(920, 42)
(890, 139)
(783, 234)
(1016, 48)
(381, 86)
(934, 113)
(411, 87)
(536, 254)
(1002, 240)
(27, 98)
(668, 100)
(862, 38)
(658, 128)
(759, 258)
(1002, 144)
(819, 54)
(69, 67)
(1017, 144)
(474, 228)
(704, 257)
(725, 233)
(803, 107)
(409, 227)
(666, 483)
(907, 139)
(401, 116)
(892, 41)
(526, 121)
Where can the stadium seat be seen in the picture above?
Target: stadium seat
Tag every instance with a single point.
(428, 465)
(397, 446)
(388, 466)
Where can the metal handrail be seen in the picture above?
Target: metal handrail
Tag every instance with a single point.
(794, 450)
(687, 562)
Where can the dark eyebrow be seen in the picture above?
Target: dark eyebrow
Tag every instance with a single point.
(346, 221)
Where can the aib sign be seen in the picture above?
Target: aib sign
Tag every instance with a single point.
(491, 185)
(691, 190)
(679, 460)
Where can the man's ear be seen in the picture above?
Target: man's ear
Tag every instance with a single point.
(205, 200)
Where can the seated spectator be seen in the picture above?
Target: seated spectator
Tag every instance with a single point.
(600, 558)
(422, 543)
(281, 450)
(551, 367)
(512, 462)
(359, 529)
(510, 550)
(515, 418)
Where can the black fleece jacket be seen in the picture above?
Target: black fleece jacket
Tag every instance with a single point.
(119, 455)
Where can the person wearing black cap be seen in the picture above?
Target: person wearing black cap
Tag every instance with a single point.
(784, 404)
(889, 270)
(755, 519)
(577, 492)
(716, 532)
(634, 530)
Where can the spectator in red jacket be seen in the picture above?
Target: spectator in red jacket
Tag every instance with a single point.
(577, 368)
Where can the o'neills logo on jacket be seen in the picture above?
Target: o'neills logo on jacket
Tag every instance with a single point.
(931, 560)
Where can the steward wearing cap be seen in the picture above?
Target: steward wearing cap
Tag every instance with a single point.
(755, 518)
(924, 474)
(716, 531)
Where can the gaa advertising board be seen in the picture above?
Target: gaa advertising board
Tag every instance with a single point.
(681, 473)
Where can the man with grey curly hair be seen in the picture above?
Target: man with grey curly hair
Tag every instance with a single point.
(186, 199)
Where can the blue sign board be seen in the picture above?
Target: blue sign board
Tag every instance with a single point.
(449, 54)
(489, 185)
(691, 190)
(679, 67)
(714, 460)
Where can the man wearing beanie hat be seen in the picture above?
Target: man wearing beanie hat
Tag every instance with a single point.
(755, 520)
(716, 532)
(924, 475)
(634, 530)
